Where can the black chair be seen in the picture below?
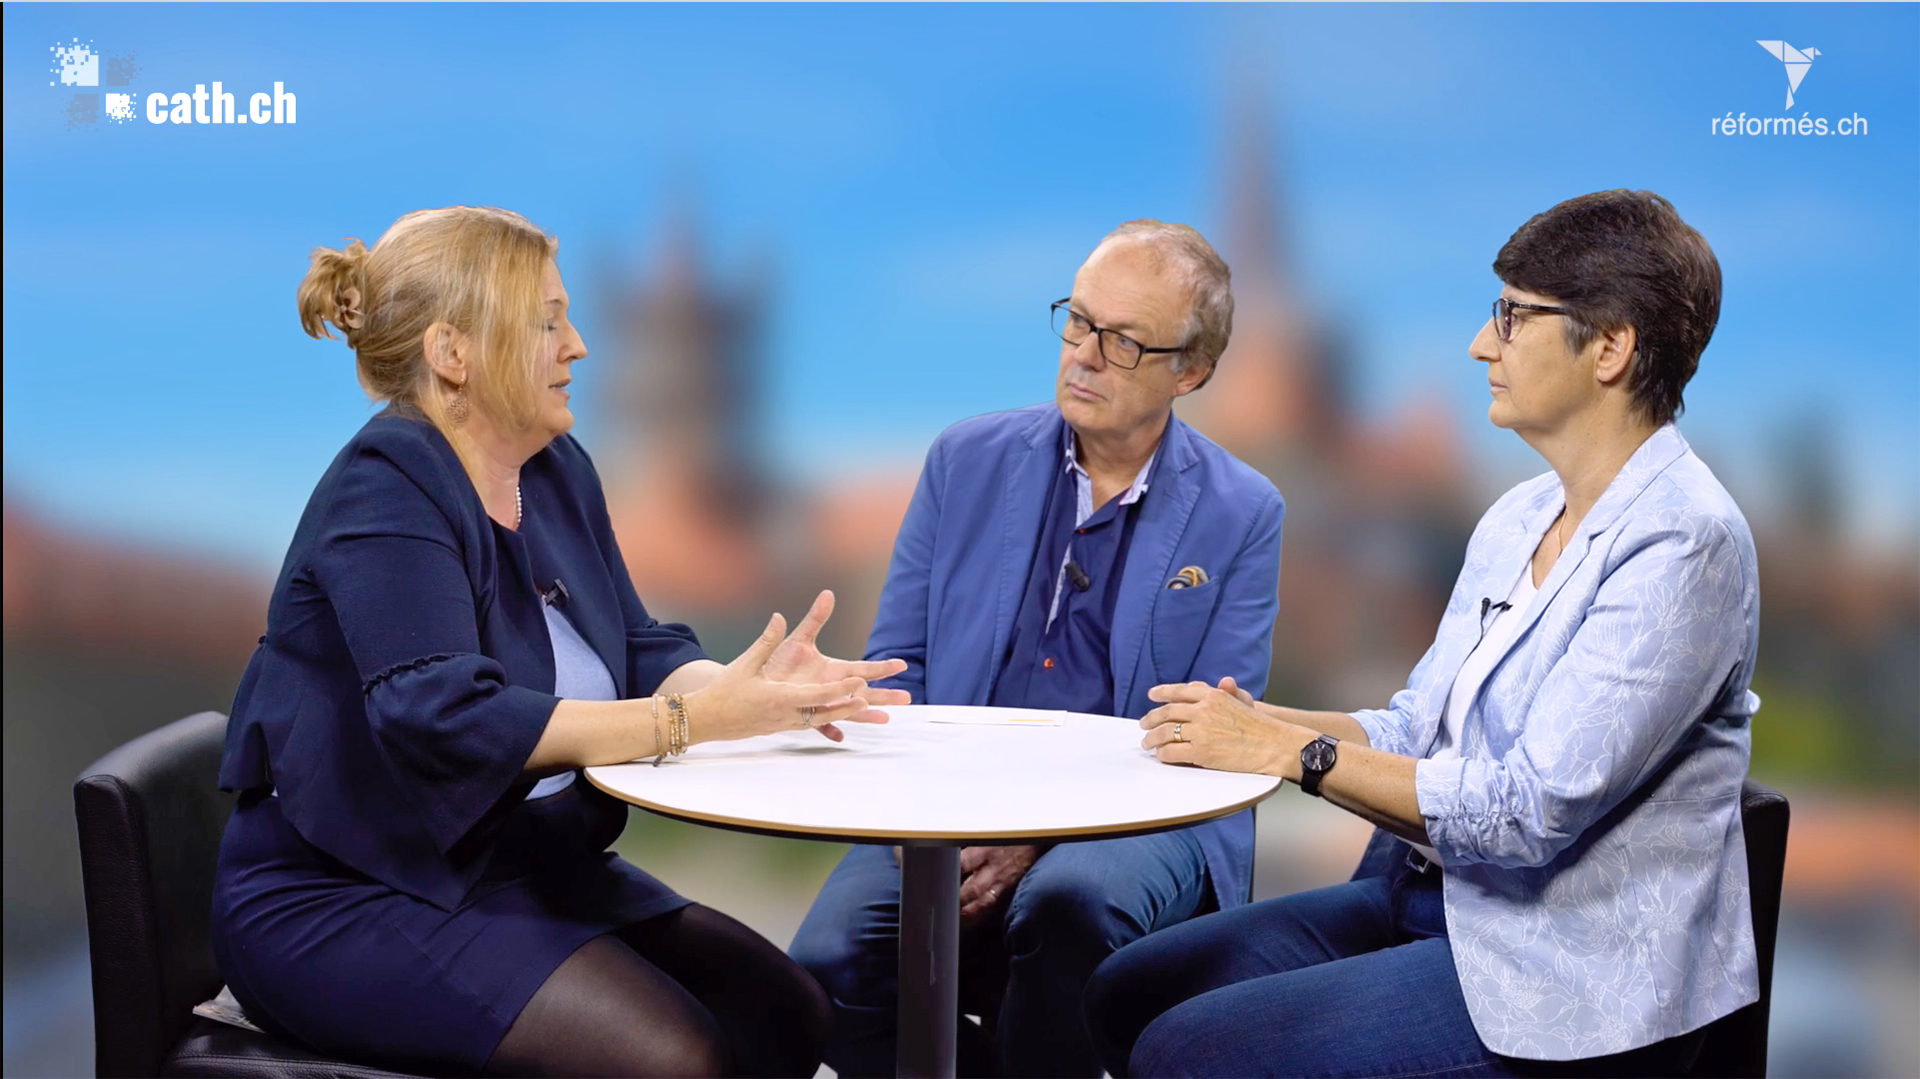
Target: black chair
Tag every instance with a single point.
(150, 821)
(1736, 1045)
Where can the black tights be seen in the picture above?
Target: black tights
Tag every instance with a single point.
(688, 993)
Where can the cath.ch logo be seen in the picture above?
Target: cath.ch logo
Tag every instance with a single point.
(77, 67)
(1796, 61)
(79, 70)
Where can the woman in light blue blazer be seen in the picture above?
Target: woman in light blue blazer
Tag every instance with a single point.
(1560, 779)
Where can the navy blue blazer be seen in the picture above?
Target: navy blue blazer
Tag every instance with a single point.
(406, 673)
(963, 553)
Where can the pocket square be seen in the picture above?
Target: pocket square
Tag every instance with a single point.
(1188, 577)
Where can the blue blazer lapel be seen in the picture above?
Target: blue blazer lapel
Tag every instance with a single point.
(1660, 450)
(1490, 574)
(1163, 521)
(591, 604)
(1515, 555)
(1025, 474)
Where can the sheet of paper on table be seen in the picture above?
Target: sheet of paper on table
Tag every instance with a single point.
(992, 717)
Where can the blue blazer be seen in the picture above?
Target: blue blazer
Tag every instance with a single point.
(1595, 869)
(961, 559)
(406, 673)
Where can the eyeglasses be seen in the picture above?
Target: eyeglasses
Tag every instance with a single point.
(1115, 347)
(1504, 308)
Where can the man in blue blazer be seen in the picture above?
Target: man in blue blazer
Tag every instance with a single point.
(1069, 556)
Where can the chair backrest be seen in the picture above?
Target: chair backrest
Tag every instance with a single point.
(1736, 1044)
(150, 816)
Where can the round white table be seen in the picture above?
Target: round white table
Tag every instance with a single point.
(933, 780)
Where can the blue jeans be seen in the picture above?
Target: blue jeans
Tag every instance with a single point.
(1352, 980)
(1079, 904)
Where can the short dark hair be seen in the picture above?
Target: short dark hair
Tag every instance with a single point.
(1624, 258)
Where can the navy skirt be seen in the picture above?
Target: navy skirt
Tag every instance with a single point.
(320, 953)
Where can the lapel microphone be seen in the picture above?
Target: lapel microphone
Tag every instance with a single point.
(557, 595)
(1078, 577)
(1486, 605)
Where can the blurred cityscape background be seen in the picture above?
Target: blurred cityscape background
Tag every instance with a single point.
(801, 241)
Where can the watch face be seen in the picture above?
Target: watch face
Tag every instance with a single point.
(1318, 755)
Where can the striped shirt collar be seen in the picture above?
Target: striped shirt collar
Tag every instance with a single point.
(1085, 482)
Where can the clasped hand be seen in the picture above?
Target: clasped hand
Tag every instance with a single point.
(1211, 726)
(987, 877)
(782, 681)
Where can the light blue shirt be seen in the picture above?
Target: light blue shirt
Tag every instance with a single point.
(1595, 870)
(578, 674)
(1083, 508)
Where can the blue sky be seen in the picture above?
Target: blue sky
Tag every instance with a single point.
(922, 181)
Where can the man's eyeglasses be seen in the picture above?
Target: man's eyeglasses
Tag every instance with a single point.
(1504, 308)
(1115, 347)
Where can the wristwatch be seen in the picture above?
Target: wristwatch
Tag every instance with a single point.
(1316, 759)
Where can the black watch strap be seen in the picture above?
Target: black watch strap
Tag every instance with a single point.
(1316, 759)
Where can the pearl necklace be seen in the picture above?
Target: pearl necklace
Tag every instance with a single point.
(519, 507)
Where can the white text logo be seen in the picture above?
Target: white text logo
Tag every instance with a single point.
(79, 69)
(1797, 62)
(216, 106)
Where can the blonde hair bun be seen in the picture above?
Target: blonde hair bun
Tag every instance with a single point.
(334, 290)
(478, 269)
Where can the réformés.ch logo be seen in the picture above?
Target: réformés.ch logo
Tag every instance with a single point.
(1797, 62)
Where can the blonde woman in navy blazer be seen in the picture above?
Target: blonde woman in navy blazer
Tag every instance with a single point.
(1565, 878)
(414, 875)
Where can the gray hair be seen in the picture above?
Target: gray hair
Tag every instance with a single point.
(1208, 280)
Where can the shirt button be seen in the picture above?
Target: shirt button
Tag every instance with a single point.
(1047, 663)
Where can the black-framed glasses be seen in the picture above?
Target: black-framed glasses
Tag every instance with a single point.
(1504, 308)
(1115, 347)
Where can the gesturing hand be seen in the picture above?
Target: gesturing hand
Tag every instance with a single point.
(1213, 727)
(744, 700)
(987, 877)
(798, 659)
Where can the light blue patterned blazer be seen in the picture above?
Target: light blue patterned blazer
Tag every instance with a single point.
(1595, 871)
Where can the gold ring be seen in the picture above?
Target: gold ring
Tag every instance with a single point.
(1177, 736)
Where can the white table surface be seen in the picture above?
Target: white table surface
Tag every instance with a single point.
(918, 779)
